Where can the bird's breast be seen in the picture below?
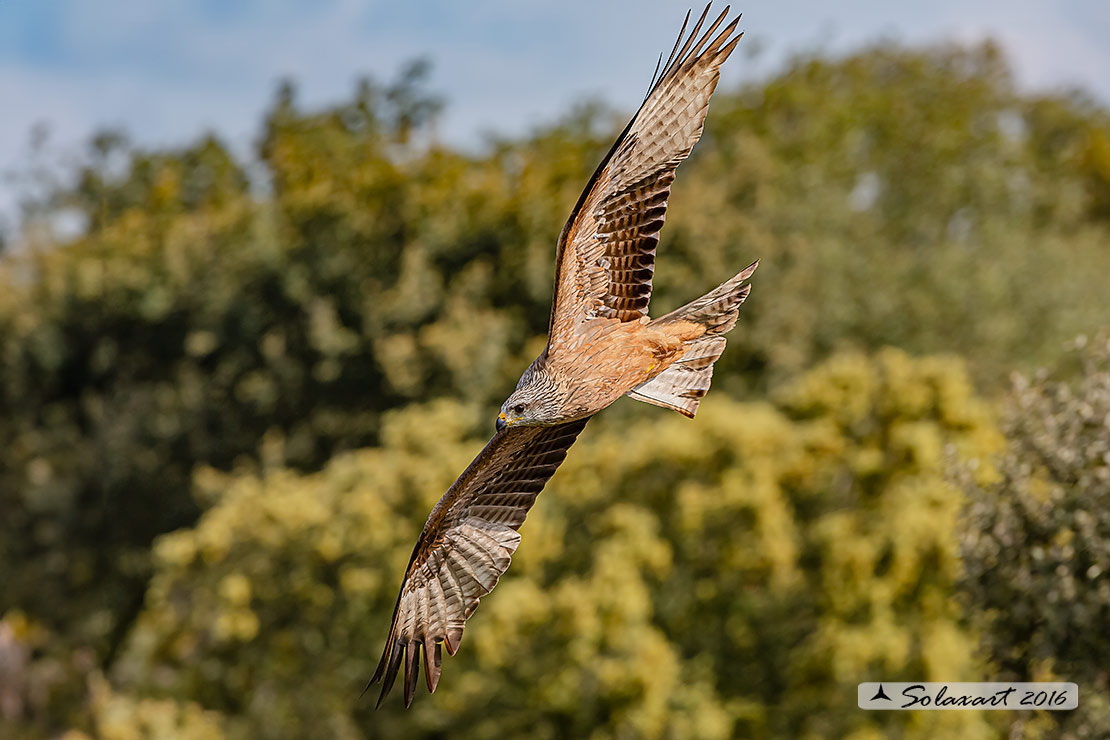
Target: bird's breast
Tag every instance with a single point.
(601, 363)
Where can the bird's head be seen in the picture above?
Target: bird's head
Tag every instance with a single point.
(535, 402)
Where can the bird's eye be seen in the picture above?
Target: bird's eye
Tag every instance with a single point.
(518, 409)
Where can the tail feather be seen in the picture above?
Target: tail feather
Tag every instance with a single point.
(682, 385)
(718, 309)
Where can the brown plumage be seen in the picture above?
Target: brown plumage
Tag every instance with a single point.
(601, 345)
(465, 547)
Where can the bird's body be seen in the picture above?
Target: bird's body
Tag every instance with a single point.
(602, 345)
(607, 358)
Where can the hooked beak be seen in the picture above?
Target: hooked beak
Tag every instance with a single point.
(501, 422)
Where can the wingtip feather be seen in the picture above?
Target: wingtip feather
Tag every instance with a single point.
(391, 672)
(416, 638)
(412, 671)
(685, 49)
(724, 36)
(681, 58)
(452, 640)
(724, 53)
(681, 33)
(748, 271)
(433, 661)
(709, 31)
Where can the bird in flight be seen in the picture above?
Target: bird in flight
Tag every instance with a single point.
(601, 345)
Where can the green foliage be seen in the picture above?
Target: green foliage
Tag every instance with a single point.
(734, 575)
(182, 328)
(1037, 541)
(264, 315)
(120, 717)
(908, 198)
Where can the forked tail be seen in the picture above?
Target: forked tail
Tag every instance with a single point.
(682, 385)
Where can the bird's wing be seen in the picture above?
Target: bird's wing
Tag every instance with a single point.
(606, 253)
(466, 546)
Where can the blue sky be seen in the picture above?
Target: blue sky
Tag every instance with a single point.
(169, 70)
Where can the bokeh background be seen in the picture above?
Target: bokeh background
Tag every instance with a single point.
(267, 270)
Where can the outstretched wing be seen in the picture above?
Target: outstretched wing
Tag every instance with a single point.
(466, 546)
(606, 254)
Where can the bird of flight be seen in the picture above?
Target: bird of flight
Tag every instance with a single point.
(601, 345)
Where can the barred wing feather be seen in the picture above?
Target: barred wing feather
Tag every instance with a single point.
(465, 547)
(606, 255)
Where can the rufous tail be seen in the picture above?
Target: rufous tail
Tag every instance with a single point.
(682, 385)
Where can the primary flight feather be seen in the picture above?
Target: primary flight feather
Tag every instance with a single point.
(601, 345)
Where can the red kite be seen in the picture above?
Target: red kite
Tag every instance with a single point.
(601, 345)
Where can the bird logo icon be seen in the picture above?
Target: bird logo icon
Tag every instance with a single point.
(880, 694)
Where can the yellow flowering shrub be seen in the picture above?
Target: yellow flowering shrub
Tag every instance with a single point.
(733, 575)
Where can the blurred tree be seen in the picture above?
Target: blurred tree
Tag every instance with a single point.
(120, 717)
(737, 575)
(903, 197)
(101, 397)
(179, 329)
(1037, 544)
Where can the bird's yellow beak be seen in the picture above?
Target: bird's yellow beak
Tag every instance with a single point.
(502, 422)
